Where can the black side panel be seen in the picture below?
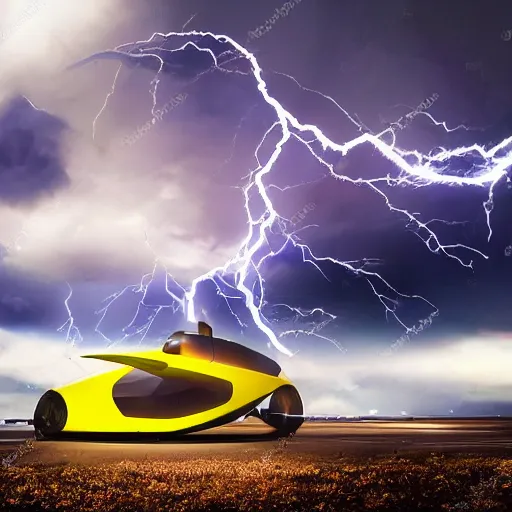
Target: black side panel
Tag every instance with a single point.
(50, 415)
(142, 395)
(228, 352)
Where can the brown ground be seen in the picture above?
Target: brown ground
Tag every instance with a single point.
(318, 440)
(324, 467)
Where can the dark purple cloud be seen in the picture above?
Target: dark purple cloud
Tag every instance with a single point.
(26, 303)
(30, 162)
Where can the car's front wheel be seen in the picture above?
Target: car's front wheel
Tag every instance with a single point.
(50, 415)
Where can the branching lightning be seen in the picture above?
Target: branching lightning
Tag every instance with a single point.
(241, 277)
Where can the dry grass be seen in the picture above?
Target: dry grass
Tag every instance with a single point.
(280, 482)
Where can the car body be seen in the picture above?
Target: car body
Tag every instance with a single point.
(195, 382)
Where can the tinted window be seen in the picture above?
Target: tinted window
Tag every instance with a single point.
(142, 395)
(220, 351)
(190, 345)
(227, 352)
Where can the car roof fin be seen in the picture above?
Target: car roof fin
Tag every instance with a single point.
(204, 329)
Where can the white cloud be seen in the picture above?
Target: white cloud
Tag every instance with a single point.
(42, 36)
(474, 368)
(46, 363)
(33, 359)
(97, 227)
(17, 405)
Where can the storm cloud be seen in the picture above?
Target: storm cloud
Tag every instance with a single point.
(81, 207)
(31, 165)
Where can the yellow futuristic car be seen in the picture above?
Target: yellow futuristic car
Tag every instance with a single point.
(195, 382)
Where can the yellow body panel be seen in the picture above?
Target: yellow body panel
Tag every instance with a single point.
(91, 407)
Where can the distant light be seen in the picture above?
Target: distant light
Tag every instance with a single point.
(373, 412)
(404, 413)
(451, 411)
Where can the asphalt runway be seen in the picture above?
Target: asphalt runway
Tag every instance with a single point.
(254, 439)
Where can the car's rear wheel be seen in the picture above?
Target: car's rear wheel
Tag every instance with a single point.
(285, 412)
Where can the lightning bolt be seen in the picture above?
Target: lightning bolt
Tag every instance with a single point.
(73, 334)
(241, 277)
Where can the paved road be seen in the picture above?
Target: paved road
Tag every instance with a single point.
(253, 439)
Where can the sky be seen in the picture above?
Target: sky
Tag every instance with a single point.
(122, 183)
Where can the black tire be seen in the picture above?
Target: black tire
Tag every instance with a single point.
(50, 415)
(285, 412)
